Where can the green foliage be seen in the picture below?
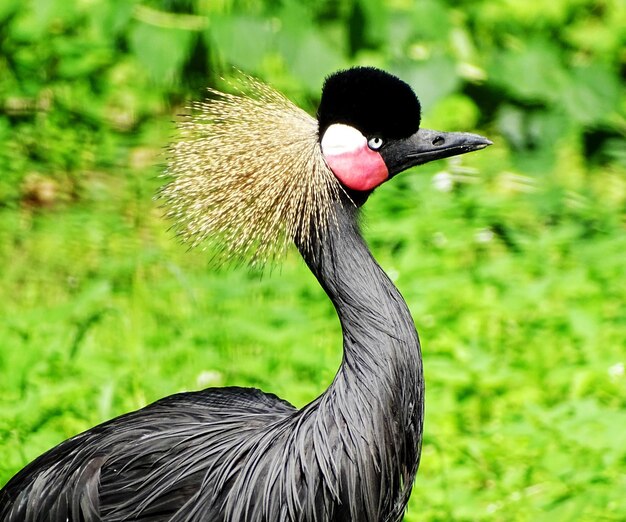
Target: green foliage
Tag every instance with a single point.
(511, 260)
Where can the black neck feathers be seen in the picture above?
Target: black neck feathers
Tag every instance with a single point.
(378, 390)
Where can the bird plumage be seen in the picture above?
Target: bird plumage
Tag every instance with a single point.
(238, 454)
(246, 173)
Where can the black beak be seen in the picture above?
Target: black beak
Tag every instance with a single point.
(428, 145)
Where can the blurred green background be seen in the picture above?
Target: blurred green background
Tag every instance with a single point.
(512, 260)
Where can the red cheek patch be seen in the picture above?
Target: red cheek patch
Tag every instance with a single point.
(359, 169)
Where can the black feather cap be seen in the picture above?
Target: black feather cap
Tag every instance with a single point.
(371, 100)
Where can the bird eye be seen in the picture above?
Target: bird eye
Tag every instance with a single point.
(375, 143)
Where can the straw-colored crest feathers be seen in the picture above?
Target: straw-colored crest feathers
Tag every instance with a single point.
(247, 173)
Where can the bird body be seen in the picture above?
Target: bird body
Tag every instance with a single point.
(238, 454)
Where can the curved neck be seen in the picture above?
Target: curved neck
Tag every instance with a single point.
(378, 329)
(378, 390)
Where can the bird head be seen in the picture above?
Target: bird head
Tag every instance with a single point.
(369, 129)
(251, 172)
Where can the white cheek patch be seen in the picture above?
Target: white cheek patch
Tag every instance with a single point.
(354, 164)
(342, 139)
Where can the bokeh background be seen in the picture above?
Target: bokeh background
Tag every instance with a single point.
(512, 260)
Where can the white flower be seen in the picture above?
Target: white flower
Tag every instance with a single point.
(484, 235)
(443, 181)
(440, 239)
(208, 378)
(616, 371)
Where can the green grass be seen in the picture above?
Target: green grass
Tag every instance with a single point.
(516, 286)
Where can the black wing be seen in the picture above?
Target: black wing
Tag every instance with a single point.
(144, 465)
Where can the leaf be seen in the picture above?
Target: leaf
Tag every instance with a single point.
(372, 15)
(308, 51)
(591, 94)
(533, 73)
(431, 21)
(532, 134)
(311, 58)
(162, 51)
(7, 8)
(110, 18)
(455, 112)
(242, 40)
(432, 80)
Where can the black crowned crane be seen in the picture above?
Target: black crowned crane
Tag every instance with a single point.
(254, 172)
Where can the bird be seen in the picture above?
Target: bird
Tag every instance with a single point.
(253, 173)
